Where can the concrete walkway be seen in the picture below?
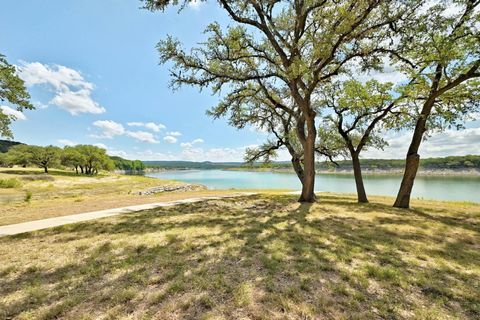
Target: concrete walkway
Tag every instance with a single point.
(18, 228)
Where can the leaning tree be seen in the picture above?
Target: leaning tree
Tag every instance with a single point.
(298, 45)
(440, 49)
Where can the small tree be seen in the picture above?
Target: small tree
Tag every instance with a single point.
(72, 157)
(19, 155)
(12, 90)
(94, 159)
(44, 157)
(358, 114)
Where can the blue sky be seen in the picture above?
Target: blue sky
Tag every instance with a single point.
(92, 69)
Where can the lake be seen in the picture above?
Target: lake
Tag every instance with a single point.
(431, 187)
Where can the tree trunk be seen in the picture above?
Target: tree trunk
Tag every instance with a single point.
(308, 185)
(297, 166)
(45, 169)
(411, 167)
(413, 158)
(357, 171)
(81, 169)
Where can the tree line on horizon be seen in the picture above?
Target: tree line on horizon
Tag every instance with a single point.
(303, 72)
(83, 159)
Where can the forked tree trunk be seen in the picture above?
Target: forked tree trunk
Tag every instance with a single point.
(357, 172)
(308, 185)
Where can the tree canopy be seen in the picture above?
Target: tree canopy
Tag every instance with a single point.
(13, 91)
(284, 51)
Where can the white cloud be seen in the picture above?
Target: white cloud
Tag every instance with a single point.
(109, 129)
(100, 145)
(170, 139)
(76, 102)
(39, 105)
(17, 115)
(156, 127)
(174, 133)
(142, 136)
(442, 144)
(66, 142)
(72, 91)
(190, 144)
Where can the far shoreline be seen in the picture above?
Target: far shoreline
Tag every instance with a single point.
(365, 172)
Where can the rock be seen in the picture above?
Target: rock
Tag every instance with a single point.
(170, 188)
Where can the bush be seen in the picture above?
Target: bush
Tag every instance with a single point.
(28, 196)
(9, 183)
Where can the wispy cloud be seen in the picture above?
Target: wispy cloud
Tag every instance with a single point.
(156, 127)
(191, 144)
(170, 139)
(142, 136)
(109, 129)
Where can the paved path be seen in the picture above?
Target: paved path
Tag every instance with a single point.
(18, 228)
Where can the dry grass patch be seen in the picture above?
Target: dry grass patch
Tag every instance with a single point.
(258, 257)
(33, 195)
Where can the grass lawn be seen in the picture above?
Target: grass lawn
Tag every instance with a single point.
(257, 257)
(63, 193)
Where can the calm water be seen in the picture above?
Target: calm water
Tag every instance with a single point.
(439, 188)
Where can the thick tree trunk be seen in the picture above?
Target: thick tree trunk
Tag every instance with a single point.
(411, 168)
(45, 169)
(308, 185)
(357, 171)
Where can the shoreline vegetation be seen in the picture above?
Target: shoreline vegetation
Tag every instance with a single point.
(468, 165)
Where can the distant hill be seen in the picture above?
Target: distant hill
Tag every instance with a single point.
(7, 144)
(468, 162)
(191, 164)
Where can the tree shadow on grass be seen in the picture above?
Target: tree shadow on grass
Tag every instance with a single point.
(251, 258)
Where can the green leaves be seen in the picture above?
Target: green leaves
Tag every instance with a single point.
(13, 91)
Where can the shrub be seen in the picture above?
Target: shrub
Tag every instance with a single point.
(9, 183)
(28, 196)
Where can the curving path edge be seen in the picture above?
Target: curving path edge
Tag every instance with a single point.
(13, 229)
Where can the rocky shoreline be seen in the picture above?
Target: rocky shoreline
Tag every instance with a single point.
(172, 188)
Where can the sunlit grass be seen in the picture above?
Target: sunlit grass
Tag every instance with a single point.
(261, 257)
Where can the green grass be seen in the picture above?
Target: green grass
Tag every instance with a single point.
(258, 257)
(9, 183)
